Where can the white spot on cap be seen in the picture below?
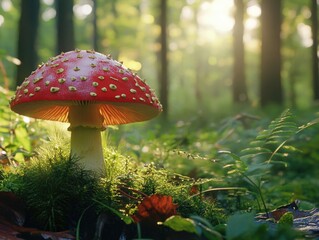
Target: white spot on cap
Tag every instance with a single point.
(113, 86)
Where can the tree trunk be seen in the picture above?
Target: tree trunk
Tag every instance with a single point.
(163, 71)
(314, 30)
(95, 27)
(270, 87)
(239, 81)
(115, 50)
(65, 26)
(28, 29)
(199, 63)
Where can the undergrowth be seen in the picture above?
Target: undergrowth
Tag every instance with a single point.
(54, 189)
(199, 169)
(57, 190)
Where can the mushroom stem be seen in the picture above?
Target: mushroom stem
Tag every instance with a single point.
(86, 123)
(87, 145)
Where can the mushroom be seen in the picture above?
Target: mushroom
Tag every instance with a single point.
(90, 91)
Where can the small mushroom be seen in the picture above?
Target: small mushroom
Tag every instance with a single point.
(89, 109)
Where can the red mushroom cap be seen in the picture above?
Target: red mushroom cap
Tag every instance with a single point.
(85, 77)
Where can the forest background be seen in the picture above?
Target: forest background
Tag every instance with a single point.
(224, 70)
(199, 55)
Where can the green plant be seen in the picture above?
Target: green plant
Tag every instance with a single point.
(287, 219)
(268, 151)
(16, 134)
(250, 229)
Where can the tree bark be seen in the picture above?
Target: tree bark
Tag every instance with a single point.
(239, 81)
(28, 30)
(270, 87)
(163, 71)
(95, 27)
(314, 49)
(65, 26)
(115, 50)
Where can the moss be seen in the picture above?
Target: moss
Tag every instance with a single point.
(286, 219)
(55, 189)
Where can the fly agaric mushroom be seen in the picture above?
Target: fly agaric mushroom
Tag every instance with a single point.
(90, 91)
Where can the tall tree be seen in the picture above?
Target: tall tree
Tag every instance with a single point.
(95, 27)
(115, 13)
(163, 70)
(239, 81)
(28, 29)
(65, 25)
(314, 30)
(199, 61)
(270, 86)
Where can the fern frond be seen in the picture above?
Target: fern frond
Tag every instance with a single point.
(271, 140)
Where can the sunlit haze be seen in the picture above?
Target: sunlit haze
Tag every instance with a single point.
(216, 14)
(216, 17)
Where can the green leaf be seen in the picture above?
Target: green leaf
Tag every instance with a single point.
(234, 156)
(239, 224)
(255, 150)
(19, 157)
(23, 137)
(286, 219)
(178, 223)
(206, 228)
(304, 205)
(257, 169)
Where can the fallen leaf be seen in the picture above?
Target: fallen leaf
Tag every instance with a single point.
(155, 208)
(280, 211)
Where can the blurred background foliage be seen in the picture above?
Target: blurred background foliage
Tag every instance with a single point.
(200, 46)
